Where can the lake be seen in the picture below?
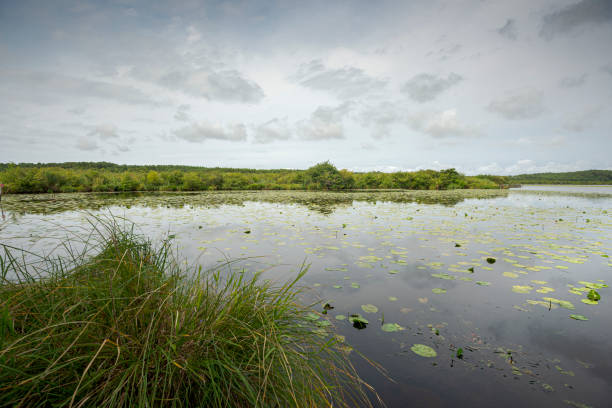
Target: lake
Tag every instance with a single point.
(503, 275)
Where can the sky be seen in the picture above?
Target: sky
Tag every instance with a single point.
(496, 87)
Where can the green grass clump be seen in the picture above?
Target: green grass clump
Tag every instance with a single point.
(128, 327)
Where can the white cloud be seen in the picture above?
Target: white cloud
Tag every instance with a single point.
(200, 132)
(104, 131)
(441, 124)
(272, 130)
(325, 123)
(86, 144)
(181, 113)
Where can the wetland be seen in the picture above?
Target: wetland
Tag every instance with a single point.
(463, 297)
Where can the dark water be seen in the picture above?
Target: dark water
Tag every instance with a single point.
(520, 345)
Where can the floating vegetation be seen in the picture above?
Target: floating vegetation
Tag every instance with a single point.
(423, 350)
(578, 317)
(358, 321)
(522, 289)
(391, 327)
(443, 276)
(593, 295)
(438, 291)
(369, 308)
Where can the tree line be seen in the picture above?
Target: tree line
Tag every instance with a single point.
(109, 177)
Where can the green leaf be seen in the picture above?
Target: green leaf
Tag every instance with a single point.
(369, 308)
(460, 353)
(578, 317)
(593, 295)
(312, 316)
(423, 350)
(391, 327)
(438, 291)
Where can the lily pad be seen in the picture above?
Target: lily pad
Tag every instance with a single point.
(323, 323)
(423, 350)
(483, 283)
(340, 317)
(369, 308)
(355, 285)
(438, 291)
(578, 317)
(392, 299)
(589, 301)
(521, 289)
(358, 321)
(312, 316)
(391, 327)
(491, 260)
(443, 276)
(593, 295)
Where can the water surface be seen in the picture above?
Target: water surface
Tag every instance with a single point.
(423, 259)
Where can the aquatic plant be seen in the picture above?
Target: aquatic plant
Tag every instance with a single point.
(129, 327)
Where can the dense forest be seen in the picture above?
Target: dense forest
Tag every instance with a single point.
(109, 177)
(574, 177)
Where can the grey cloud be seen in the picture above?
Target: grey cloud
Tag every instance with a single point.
(572, 81)
(426, 87)
(346, 82)
(508, 30)
(223, 86)
(86, 144)
(181, 113)
(272, 130)
(51, 87)
(104, 132)
(380, 118)
(574, 15)
(325, 123)
(200, 132)
(578, 122)
(77, 111)
(441, 125)
(607, 68)
(520, 105)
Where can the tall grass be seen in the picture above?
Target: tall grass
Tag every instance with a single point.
(129, 327)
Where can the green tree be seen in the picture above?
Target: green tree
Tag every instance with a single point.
(192, 181)
(323, 176)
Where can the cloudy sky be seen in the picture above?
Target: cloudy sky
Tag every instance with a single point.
(480, 85)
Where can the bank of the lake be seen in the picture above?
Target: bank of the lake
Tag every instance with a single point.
(129, 327)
